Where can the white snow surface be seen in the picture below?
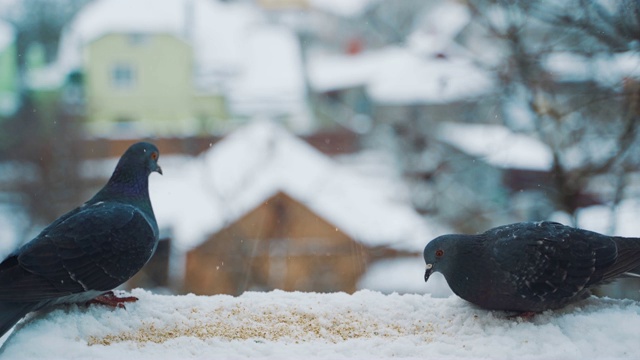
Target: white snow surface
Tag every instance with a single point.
(497, 145)
(365, 325)
(401, 75)
(200, 196)
(349, 8)
(438, 28)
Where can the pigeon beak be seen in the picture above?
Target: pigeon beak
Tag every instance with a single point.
(427, 272)
(158, 169)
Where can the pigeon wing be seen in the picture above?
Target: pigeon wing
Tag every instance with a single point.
(552, 262)
(97, 248)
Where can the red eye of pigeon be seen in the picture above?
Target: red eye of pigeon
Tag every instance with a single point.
(439, 252)
(154, 155)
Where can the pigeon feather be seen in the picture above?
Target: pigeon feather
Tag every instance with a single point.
(88, 251)
(529, 266)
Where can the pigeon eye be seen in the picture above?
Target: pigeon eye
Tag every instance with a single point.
(154, 155)
(439, 252)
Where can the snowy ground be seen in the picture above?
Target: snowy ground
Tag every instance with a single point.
(281, 325)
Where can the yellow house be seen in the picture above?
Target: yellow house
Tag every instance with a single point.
(142, 82)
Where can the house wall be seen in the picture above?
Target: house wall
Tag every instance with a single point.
(279, 245)
(160, 94)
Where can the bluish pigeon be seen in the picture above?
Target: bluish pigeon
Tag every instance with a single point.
(88, 251)
(531, 266)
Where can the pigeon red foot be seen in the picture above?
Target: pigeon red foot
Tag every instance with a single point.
(525, 316)
(112, 300)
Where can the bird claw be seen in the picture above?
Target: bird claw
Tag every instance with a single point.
(526, 315)
(112, 300)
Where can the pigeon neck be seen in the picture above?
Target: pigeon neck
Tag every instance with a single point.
(126, 185)
(466, 274)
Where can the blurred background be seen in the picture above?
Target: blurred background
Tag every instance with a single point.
(318, 145)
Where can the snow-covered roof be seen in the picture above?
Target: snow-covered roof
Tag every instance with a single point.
(430, 68)
(437, 29)
(199, 197)
(608, 70)
(397, 75)
(271, 81)
(350, 8)
(235, 49)
(215, 29)
(497, 145)
(7, 35)
(366, 325)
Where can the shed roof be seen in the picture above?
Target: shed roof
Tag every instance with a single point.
(201, 196)
(399, 75)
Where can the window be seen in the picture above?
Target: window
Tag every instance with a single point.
(123, 76)
(139, 39)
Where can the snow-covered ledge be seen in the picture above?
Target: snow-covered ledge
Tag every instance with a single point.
(282, 325)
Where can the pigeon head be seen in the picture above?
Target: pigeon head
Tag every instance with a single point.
(140, 159)
(440, 254)
(130, 178)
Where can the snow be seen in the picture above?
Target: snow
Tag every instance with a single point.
(236, 51)
(599, 218)
(398, 75)
(283, 325)
(333, 72)
(216, 30)
(12, 224)
(273, 82)
(497, 145)
(6, 35)
(430, 68)
(439, 27)
(403, 275)
(200, 196)
(350, 8)
(606, 69)
(407, 78)
(102, 17)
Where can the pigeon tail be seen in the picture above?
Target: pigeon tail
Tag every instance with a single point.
(11, 313)
(628, 260)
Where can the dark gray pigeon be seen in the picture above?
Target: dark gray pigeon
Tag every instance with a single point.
(530, 266)
(89, 251)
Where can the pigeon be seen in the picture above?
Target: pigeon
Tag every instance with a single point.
(87, 252)
(530, 267)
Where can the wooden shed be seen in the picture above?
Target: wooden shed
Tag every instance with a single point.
(281, 244)
(263, 209)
